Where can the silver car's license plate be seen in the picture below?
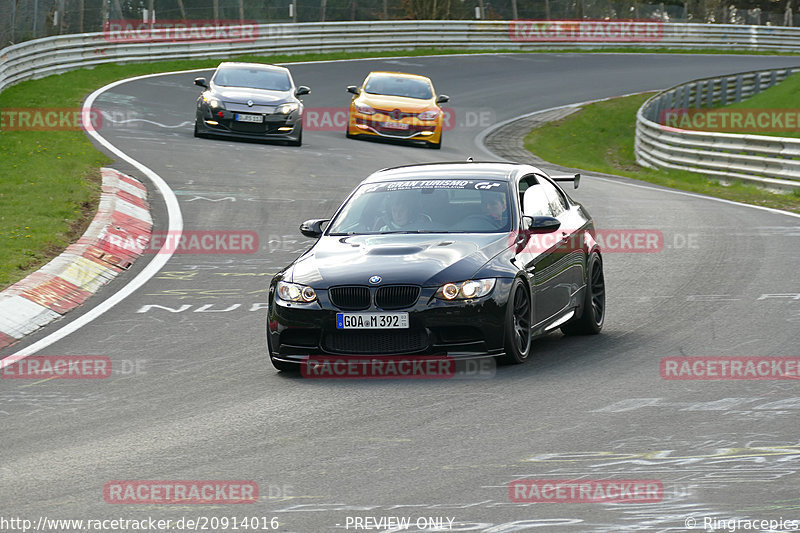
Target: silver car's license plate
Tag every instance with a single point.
(371, 320)
(249, 118)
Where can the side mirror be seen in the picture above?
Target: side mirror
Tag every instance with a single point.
(542, 224)
(313, 228)
(353, 89)
(442, 98)
(574, 178)
(302, 90)
(201, 82)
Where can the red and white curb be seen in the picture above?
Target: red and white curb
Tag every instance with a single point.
(123, 216)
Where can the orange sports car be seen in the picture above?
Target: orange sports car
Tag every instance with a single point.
(394, 105)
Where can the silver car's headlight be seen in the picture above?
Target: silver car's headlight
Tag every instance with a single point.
(285, 109)
(215, 103)
(294, 292)
(465, 290)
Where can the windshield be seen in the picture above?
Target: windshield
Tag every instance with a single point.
(254, 78)
(397, 86)
(426, 206)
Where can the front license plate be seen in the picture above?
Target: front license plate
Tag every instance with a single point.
(249, 118)
(371, 320)
(395, 125)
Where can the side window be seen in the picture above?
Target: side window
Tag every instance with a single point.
(533, 197)
(535, 202)
(555, 199)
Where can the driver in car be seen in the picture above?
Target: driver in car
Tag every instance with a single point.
(404, 213)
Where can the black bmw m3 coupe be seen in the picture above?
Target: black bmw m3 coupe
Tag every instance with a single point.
(447, 259)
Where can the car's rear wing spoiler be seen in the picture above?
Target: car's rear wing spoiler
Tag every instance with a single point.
(575, 178)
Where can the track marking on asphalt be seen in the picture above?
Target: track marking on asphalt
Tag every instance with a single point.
(174, 227)
(153, 122)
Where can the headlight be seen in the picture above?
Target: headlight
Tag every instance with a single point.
(429, 115)
(285, 109)
(212, 101)
(465, 290)
(293, 292)
(364, 109)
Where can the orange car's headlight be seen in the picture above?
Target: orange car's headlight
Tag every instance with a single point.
(431, 114)
(364, 109)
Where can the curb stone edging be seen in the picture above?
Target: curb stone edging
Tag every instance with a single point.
(117, 235)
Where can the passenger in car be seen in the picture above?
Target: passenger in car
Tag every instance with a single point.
(495, 206)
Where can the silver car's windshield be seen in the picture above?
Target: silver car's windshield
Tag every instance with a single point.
(253, 78)
(426, 206)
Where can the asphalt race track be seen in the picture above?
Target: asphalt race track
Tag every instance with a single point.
(194, 397)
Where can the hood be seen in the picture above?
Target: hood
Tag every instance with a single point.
(411, 105)
(425, 259)
(258, 96)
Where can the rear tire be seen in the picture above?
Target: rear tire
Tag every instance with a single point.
(594, 304)
(518, 325)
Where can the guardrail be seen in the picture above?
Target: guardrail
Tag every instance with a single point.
(52, 55)
(765, 160)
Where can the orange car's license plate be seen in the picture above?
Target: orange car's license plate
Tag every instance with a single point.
(395, 125)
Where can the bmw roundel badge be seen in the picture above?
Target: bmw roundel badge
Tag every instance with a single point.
(375, 280)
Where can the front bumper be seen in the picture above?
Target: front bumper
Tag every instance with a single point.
(413, 129)
(273, 126)
(458, 329)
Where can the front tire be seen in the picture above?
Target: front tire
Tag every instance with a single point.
(594, 303)
(518, 325)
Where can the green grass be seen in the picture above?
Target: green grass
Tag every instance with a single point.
(600, 138)
(49, 186)
(784, 95)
